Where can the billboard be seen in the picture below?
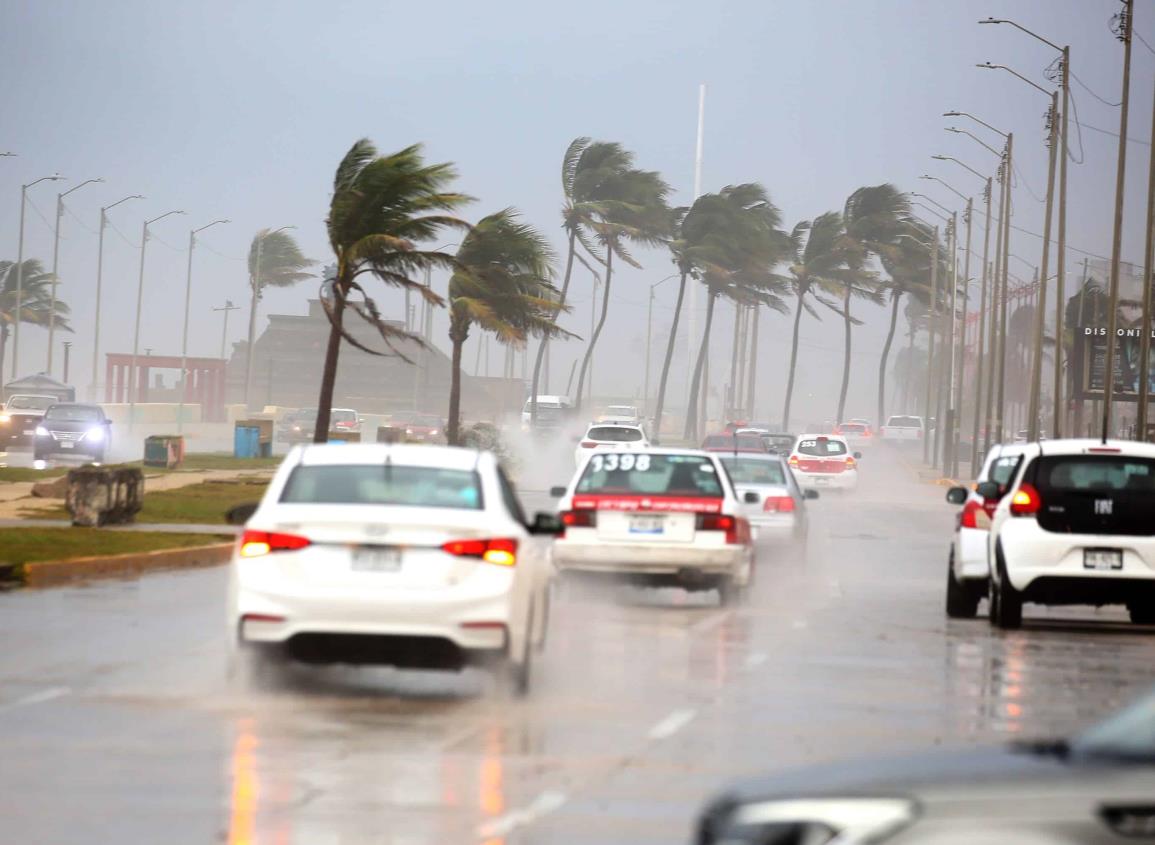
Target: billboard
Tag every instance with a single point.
(1089, 363)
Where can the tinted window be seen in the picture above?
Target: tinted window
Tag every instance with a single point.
(779, 442)
(904, 422)
(1003, 469)
(1096, 473)
(429, 487)
(750, 471)
(29, 403)
(614, 434)
(746, 442)
(655, 475)
(74, 413)
(821, 447)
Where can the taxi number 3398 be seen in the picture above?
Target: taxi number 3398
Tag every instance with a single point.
(614, 461)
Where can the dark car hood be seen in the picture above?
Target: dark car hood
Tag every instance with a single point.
(72, 425)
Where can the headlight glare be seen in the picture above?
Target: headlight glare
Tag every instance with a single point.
(94, 434)
(848, 819)
(41, 431)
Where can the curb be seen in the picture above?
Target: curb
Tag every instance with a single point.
(52, 573)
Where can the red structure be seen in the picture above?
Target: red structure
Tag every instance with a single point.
(204, 382)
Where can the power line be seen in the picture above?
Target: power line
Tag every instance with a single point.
(166, 243)
(1135, 32)
(1114, 134)
(83, 225)
(203, 245)
(1088, 89)
(123, 237)
(40, 214)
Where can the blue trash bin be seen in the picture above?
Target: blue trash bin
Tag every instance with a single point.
(246, 441)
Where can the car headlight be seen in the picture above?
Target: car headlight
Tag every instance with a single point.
(408, 431)
(433, 432)
(5, 418)
(94, 435)
(41, 431)
(841, 819)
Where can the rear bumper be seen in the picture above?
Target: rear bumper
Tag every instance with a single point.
(773, 527)
(970, 554)
(648, 559)
(827, 480)
(1032, 555)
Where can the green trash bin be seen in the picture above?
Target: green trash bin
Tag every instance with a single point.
(163, 450)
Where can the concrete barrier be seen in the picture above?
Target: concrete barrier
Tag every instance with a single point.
(52, 573)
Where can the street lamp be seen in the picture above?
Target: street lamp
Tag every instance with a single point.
(56, 177)
(99, 280)
(974, 138)
(192, 242)
(55, 264)
(649, 327)
(945, 211)
(134, 385)
(226, 308)
(253, 310)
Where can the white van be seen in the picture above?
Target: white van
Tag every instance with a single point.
(550, 410)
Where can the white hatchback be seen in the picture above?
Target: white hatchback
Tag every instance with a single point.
(613, 437)
(412, 556)
(666, 517)
(1075, 527)
(824, 461)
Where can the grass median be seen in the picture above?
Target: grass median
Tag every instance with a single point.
(30, 545)
(196, 462)
(197, 504)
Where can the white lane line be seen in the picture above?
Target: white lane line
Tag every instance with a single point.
(672, 724)
(755, 660)
(712, 621)
(35, 698)
(541, 806)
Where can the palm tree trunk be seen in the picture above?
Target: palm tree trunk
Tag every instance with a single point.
(793, 362)
(329, 372)
(541, 348)
(3, 346)
(732, 399)
(845, 356)
(752, 367)
(597, 329)
(691, 430)
(657, 432)
(879, 420)
(453, 426)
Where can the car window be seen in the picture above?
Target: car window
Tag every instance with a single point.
(29, 403)
(74, 413)
(904, 422)
(746, 442)
(821, 447)
(1072, 473)
(750, 471)
(654, 475)
(509, 497)
(344, 416)
(614, 434)
(779, 442)
(1003, 469)
(389, 484)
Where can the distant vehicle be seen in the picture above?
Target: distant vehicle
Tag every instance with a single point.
(412, 556)
(20, 416)
(770, 496)
(1075, 527)
(344, 420)
(734, 442)
(420, 427)
(779, 443)
(1023, 435)
(968, 569)
(552, 412)
(666, 517)
(1094, 788)
(297, 426)
(621, 413)
(857, 434)
(611, 437)
(902, 428)
(72, 429)
(825, 460)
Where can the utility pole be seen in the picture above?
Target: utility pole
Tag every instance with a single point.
(192, 242)
(67, 356)
(962, 340)
(1148, 279)
(99, 284)
(752, 370)
(931, 328)
(1125, 26)
(1058, 424)
(228, 306)
(981, 357)
(19, 309)
(1000, 407)
(1034, 409)
(55, 272)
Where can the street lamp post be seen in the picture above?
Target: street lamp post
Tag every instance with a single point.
(55, 264)
(134, 384)
(192, 242)
(1148, 278)
(649, 329)
(67, 354)
(226, 308)
(99, 285)
(253, 311)
(20, 270)
(931, 328)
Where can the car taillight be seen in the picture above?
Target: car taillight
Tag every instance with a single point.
(970, 513)
(1026, 501)
(736, 528)
(778, 504)
(793, 460)
(851, 463)
(501, 551)
(258, 543)
(588, 444)
(866, 433)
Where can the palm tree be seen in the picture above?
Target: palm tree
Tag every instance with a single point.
(503, 285)
(632, 209)
(818, 265)
(35, 300)
(746, 246)
(382, 207)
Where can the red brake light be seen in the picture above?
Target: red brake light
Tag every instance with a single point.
(969, 516)
(779, 504)
(1026, 501)
(588, 444)
(584, 518)
(737, 529)
(259, 543)
(793, 460)
(851, 463)
(1104, 450)
(501, 551)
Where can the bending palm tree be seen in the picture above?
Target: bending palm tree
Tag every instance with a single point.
(908, 266)
(382, 207)
(35, 301)
(501, 285)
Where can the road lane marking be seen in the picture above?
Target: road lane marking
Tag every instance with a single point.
(712, 621)
(672, 724)
(35, 698)
(543, 805)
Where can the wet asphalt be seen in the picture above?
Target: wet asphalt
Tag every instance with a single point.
(119, 721)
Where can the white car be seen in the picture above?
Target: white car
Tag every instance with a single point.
(614, 437)
(903, 428)
(621, 414)
(770, 496)
(857, 433)
(824, 461)
(1076, 527)
(968, 569)
(667, 517)
(413, 556)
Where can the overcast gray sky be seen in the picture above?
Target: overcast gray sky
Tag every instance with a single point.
(242, 110)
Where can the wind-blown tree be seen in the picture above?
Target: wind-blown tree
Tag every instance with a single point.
(35, 301)
(502, 284)
(382, 208)
(818, 266)
(275, 261)
(632, 210)
(747, 246)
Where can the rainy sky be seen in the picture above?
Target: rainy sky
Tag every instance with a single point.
(241, 110)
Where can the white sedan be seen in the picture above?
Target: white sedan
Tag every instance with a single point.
(665, 517)
(615, 437)
(823, 461)
(412, 556)
(770, 496)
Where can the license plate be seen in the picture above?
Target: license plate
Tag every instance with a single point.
(29, 431)
(821, 480)
(66, 445)
(647, 525)
(376, 559)
(1102, 560)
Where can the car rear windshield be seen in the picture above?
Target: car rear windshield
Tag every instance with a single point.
(622, 411)
(626, 473)
(779, 442)
(852, 428)
(904, 422)
(28, 403)
(744, 442)
(821, 447)
(344, 416)
(614, 434)
(751, 471)
(74, 413)
(1095, 473)
(389, 484)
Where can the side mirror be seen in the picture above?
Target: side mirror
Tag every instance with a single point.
(989, 490)
(546, 525)
(810, 494)
(556, 492)
(240, 514)
(858, 456)
(751, 498)
(957, 495)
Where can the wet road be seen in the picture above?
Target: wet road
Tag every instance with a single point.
(117, 721)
